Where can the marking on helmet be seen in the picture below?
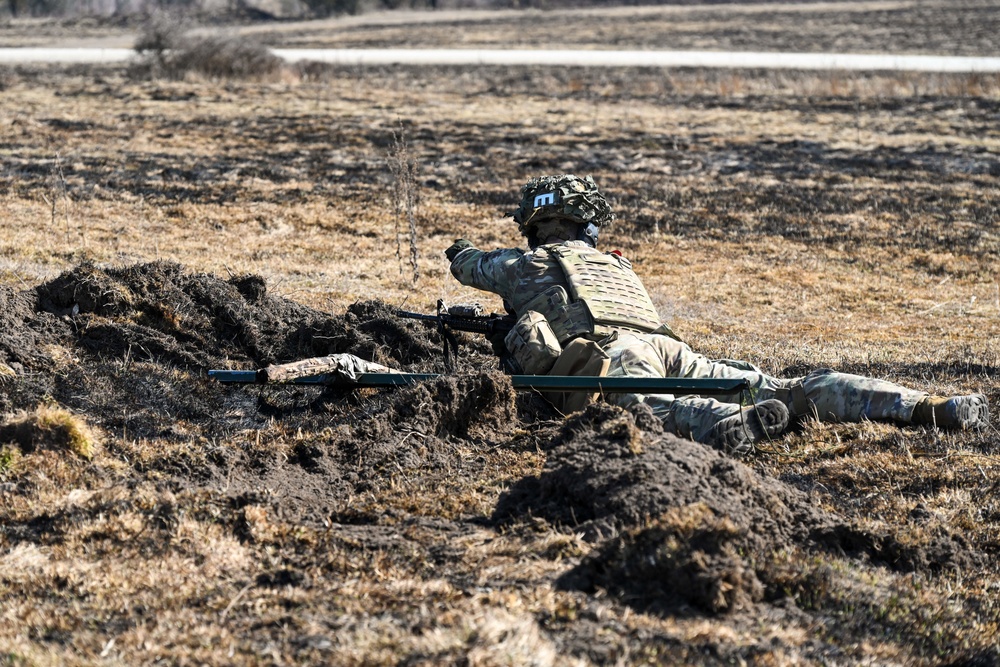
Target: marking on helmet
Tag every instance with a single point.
(545, 199)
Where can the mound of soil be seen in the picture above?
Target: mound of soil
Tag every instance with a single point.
(115, 338)
(424, 430)
(127, 349)
(159, 311)
(25, 332)
(688, 524)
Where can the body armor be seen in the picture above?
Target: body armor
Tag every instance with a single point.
(597, 294)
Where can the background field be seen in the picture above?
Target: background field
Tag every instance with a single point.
(797, 220)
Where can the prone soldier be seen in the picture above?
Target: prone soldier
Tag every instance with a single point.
(582, 311)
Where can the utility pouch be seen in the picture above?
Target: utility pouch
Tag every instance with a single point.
(794, 396)
(533, 344)
(571, 321)
(567, 320)
(549, 301)
(581, 357)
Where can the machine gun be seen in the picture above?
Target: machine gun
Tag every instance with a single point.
(471, 318)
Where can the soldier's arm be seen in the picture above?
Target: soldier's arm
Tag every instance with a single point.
(492, 271)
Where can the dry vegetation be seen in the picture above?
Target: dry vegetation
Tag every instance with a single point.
(154, 229)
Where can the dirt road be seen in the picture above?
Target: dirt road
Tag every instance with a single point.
(576, 58)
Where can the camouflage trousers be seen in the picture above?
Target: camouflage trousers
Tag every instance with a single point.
(825, 394)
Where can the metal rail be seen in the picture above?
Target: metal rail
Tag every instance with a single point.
(639, 385)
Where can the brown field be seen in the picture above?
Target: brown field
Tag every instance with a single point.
(152, 230)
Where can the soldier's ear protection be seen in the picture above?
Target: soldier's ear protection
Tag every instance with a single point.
(588, 233)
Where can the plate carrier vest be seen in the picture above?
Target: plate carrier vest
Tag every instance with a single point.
(602, 294)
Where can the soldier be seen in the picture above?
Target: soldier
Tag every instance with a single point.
(581, 311)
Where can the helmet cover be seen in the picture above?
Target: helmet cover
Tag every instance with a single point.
(566, 197)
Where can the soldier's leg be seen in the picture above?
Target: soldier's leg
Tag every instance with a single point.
(825, 394)
(635, 355)
(723, 424)
(846, 397)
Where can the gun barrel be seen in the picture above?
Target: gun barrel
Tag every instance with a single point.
(417, 316)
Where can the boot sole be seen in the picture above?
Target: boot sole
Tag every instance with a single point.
(737, 434)
(972, 412)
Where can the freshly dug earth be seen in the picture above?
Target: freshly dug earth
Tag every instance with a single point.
(129, 347)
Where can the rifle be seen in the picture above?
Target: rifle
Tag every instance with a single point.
(471, 318)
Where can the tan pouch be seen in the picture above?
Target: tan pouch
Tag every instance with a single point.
(567, 320)
(533, 344)
(580, 357)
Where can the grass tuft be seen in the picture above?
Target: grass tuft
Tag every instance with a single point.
(9, 459)
(50, 427)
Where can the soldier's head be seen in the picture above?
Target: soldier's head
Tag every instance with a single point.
(563, 207)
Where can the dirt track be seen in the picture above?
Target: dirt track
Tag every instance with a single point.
(938, 27)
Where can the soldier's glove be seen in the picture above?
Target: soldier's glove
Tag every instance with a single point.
(458, 246)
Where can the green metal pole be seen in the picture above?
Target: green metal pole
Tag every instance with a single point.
(638, 385)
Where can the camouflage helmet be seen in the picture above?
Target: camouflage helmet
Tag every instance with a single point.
(565, 197)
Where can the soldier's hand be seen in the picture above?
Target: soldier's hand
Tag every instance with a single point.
(458, 246)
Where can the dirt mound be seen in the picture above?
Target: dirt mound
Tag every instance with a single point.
(604, 474)
(426, 430)
(25, 333)
(479, 406)
(126, 348)
(689, 523)
(194, 320)
(145, 333)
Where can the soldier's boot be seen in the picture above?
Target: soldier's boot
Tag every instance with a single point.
(736, 434)
(962, 412)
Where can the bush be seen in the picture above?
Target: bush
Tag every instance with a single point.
(167, 51)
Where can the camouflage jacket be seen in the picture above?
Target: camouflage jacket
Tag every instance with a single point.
(614, 295)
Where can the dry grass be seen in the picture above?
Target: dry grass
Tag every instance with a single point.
(50, 426)
(798, 220)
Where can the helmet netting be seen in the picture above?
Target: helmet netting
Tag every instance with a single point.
(564, 196)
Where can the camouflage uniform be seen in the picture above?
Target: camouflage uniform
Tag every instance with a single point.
(644, 348)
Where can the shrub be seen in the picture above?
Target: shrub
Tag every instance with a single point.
(166, 50)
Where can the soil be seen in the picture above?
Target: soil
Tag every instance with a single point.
(607, 477)
(142, 338)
